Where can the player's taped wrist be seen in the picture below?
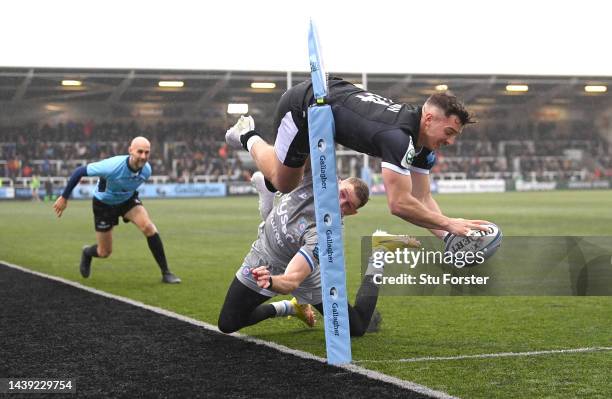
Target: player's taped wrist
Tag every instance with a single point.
(251, 142)
(250, 138)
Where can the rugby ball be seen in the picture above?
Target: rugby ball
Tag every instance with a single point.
(480, 243)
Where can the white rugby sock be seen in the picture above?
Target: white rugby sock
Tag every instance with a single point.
(373, 268)
(283, 308)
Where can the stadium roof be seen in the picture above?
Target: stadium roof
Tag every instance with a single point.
(44, 85)
(521, 37)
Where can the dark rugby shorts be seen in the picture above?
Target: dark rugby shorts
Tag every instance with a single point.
(106, 216)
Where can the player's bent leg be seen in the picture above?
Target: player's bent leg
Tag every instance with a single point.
(243, 307)
(375, 322)
(359, 323)
(288, 178)
(363, 316)
(87, 253)
(282, 177)
(281, 164)
(140, 217)
(102, 249)
(104, 240)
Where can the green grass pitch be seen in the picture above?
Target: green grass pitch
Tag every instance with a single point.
(207, 239)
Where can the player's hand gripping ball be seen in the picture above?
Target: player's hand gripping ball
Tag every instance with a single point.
(482, 244)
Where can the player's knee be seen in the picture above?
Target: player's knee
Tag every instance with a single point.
(358, 331)
(357, 327)
(286, 179)
(284, 188)
(149, 229)
(226, 326)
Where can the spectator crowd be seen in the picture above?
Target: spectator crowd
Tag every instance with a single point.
(184, 150)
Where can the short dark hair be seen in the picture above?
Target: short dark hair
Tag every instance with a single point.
(451, 106)
(361, 190)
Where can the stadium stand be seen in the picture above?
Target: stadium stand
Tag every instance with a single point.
(559, 134)
(188, 152)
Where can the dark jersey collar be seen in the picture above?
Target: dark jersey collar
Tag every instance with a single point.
(417, 128)
(410, 121)
(417, 124)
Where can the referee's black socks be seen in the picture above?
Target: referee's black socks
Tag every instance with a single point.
(91, 251)
(157, 249)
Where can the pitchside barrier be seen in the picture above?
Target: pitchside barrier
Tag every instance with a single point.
(170, 190)
(202, 190)
(499, 185)
(327, 211)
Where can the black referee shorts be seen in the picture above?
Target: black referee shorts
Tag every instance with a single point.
(106, 216)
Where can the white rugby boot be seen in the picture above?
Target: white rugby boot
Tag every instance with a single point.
(266, 198)
(236, 136)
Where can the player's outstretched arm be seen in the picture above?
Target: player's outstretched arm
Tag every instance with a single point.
(404, 205)
(421, 190)
(297, 270)
(62, 201)
(60, 205)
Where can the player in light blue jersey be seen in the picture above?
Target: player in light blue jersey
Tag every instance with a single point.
(116, 196)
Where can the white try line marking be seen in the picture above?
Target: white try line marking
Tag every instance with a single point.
(281, 348)
(489, 355)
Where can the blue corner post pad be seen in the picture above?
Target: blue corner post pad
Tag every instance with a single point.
(317, 68)
(329, 230)
(327, 211)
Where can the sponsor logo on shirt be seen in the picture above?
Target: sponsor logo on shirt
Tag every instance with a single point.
(302, 224)
(283, 216)
(376, 99)
(408, 156)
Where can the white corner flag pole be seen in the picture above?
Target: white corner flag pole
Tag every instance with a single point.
(327, 211)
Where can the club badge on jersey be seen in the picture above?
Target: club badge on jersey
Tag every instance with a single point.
(409, 156)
